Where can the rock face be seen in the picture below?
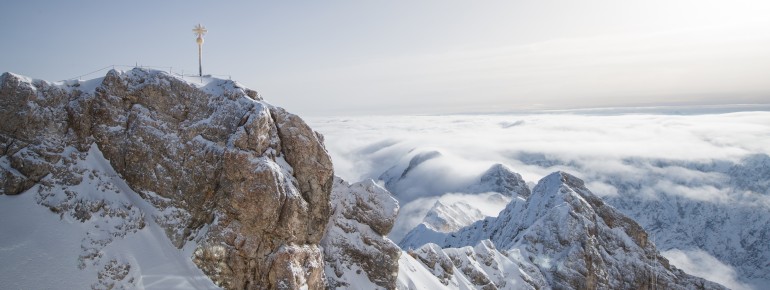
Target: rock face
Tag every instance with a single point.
(248, 182)
(571, 238)
(33, 126)
(358, 254)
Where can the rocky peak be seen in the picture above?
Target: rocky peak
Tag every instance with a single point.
(575, 241)
(501, 178)
(245, 181)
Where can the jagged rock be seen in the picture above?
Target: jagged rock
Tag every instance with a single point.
(575, 241)
(479, 267)
(32, 130)
(447, 218)
(432, 256)
(313, 169)
(357, 253)
(248, 182)
(501, 179)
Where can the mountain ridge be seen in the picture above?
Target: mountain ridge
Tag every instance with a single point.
(241, 194)
(572, 238)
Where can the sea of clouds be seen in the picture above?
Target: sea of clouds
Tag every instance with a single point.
(675, 152)
(587, 144)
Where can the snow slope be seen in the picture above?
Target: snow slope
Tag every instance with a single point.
(94, 234)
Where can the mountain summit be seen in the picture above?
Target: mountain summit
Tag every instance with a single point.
(563, 236)
(241, 185)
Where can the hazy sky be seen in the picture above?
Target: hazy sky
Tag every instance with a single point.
(383, 57)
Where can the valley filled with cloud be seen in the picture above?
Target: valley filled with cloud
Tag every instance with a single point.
(696, 179)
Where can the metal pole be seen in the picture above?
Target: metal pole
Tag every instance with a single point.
(200, 59)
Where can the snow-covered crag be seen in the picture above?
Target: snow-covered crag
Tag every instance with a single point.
(501, 179)
(358, 254)
(718, 206)
(240, 185)
(561, 237)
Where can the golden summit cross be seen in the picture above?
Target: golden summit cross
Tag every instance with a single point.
(200, 30)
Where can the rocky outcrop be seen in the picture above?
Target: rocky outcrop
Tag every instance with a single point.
(33, 129)
(358, 254)
(573, 239)
(479, 267)
(248, 182)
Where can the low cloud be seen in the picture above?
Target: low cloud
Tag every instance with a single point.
(701, 264)
(646, 154)
(702, 193)
(709, 159)
(602, 189)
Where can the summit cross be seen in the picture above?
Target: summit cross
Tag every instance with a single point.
(200, 30)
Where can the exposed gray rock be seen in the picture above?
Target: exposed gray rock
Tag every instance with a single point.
(355, 246)
(575, 240)
(248, 182)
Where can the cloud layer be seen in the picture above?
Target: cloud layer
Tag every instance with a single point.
(589, 145)
(701, 264)
(691, 177)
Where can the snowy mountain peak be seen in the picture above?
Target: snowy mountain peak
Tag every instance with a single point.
(573, 239)
(501, 178)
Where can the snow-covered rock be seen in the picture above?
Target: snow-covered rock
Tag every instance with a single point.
(451, 217)
(357, 252)
(573, 239)
(92, 232)
(501, 179)
(242, 186)
(479, 267)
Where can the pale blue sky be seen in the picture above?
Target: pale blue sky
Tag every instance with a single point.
(368, 57)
